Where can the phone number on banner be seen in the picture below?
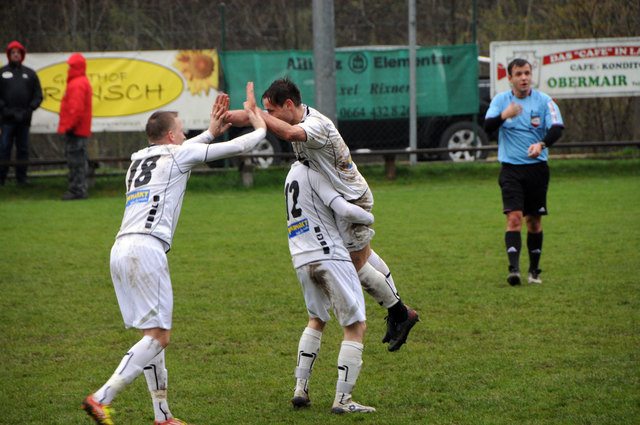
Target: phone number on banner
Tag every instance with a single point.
(375, 112)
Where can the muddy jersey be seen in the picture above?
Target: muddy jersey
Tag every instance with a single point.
(157, 179)
(311, 225)
(326, 152)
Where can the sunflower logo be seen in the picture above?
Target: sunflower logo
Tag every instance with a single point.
(200, 68)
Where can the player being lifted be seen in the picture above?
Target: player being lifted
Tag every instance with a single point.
(155, 186)
(318, 144)
(328, 279)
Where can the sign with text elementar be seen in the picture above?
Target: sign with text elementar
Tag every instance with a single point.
(600, 67)
(371, 83)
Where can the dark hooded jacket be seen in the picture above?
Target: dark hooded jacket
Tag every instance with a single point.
(20, 91)
(75, 109)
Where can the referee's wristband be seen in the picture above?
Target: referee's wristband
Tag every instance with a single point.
(543, 144)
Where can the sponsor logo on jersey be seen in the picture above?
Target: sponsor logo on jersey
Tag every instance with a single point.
(535, 120)
(298, 228)
(139, 196)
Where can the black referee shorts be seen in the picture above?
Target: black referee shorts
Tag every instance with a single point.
(524, 188)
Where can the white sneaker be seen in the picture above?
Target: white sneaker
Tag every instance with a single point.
(534, 276)
(350, 406)
(301, 398)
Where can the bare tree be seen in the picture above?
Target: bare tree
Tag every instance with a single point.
(106, 25)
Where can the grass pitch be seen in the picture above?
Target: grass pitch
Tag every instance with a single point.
(564, 352)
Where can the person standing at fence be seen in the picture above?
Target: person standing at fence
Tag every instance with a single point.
(155, 186)
(75, 124)
(318, 144)
(20, 95)
(529, 123)
(328, 279)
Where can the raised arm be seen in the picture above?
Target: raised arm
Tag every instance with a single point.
(282, 129)
(246, 142)
(216, 121)
(199, 153)
(218, 112)
(253, 112)
(237, 118)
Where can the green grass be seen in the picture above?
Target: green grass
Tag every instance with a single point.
(564, 352)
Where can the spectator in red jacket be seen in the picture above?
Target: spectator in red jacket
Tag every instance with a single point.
(75, 123)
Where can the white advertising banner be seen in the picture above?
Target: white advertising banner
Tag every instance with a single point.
(602, 67)
(129, 86)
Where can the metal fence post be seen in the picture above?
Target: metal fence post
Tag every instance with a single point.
(324, 58)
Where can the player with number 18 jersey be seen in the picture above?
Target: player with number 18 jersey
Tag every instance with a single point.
(157, 180)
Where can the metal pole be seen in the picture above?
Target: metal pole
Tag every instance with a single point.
(475, 19)
(324, 58)
(90, 26)
(224, 27)
(223, 47)
(413, 114)
(475, 41)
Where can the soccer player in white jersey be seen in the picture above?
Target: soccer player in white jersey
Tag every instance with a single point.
(318, 144)
(328, 279)
(155, 186)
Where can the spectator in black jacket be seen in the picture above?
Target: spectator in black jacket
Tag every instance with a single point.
(20, 95)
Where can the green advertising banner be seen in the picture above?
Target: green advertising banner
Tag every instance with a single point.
(371, 83)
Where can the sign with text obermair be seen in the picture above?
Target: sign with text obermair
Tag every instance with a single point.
(602, 67)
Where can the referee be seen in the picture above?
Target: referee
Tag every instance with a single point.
(529, 123)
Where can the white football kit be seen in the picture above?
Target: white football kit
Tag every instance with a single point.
(326, 152)
(155, 183)
(323, 265)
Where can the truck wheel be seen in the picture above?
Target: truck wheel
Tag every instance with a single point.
(267, 146)
(459, 135)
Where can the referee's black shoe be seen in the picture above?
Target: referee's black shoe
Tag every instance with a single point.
(514, 276)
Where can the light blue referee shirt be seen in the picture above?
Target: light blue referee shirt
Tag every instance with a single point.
(539, 113)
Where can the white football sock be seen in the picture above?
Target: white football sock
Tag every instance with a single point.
(377, 286)
(349, 365)
(156, 375)
(130, 367)
(308, 349)
(379, 264)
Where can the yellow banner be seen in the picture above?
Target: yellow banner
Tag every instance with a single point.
(129, 86)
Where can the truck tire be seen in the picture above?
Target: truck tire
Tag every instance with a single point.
(269, 145)
(459, 135)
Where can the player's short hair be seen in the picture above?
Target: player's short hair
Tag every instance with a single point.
(519, 62)
(159, 124)
(281, 90)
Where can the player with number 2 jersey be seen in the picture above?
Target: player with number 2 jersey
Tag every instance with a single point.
(328, 280)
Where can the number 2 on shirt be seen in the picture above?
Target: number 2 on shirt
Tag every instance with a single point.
(294, 189)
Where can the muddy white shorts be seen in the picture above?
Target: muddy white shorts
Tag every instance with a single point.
(140, 274)
(332, 285)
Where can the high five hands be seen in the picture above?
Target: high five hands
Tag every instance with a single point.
(251, 108)
(218, 112)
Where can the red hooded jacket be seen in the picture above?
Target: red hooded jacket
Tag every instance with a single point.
(16, 45)
(75, 109)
